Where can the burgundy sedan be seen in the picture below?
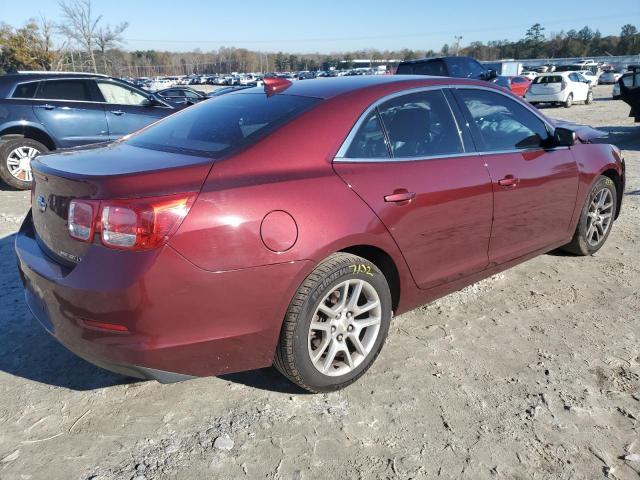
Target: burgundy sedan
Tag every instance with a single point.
(288, 225)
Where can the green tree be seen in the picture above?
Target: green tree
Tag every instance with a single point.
(24, 48)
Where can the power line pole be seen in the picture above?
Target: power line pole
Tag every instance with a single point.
(458, 38)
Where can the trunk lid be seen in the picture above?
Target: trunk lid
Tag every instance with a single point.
(103, 172)
(547, 85)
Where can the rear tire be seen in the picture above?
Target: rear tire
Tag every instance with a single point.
(569, 101)
(596, 218)
(328, 339)
(15, 167)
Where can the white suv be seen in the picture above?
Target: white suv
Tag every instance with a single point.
(559, 88)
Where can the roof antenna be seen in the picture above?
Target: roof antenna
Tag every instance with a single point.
(273, 85)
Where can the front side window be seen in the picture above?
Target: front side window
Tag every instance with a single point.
(502, 123)
(217, 126)
(420, 125)
(369, 142)
(475, 69)
(120, 95)
(574, 77)
(458, 67)
(77, 90)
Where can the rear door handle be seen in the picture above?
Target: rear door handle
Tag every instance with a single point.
(400, 196)
(46, 106)
(509, 181)
(117, 112)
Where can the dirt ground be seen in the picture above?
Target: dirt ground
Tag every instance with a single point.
(531, 374)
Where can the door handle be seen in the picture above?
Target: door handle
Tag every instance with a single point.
(400, 196)
(117, 112)
(46, 106)
(509, 181)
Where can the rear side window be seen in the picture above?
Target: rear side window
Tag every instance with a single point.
(26, 90)
(420, 125)
(369, 142)
(215, 127)
(64, 90)
(433, 67)
(502, 123)
(548, 79)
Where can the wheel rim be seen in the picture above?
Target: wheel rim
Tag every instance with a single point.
(19, 162)
(599, 217)
(344, 327)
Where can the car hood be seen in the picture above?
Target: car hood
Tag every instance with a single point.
(585, 133)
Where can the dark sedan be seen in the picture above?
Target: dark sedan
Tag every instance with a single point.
(181, 96)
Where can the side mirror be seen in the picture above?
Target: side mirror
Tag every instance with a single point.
(563, 137)
(489, 74)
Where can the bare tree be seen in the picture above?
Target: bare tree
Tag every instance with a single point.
(109, 37)
(80, 25)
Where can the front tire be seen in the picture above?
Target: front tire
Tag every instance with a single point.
(15, 161)
(589, 99)
(336, 324)
(596, 218)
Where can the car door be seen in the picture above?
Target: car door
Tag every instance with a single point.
(580, 87)
(128, 110)
(409, 161)
(534, 187)
(69, 112)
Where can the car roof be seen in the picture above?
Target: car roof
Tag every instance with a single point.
(331, 87)
(430, 59)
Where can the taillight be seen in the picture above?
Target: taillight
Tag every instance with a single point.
(129, 224)
(563, 85)
(81, 222)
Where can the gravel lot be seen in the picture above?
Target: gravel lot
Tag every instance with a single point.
(534, 373)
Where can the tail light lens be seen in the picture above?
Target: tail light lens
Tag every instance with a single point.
(81, 222)
(130, 224)
(563, 85)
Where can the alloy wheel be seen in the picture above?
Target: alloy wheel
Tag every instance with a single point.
(599, 217)
(344, 327)
(19, 162)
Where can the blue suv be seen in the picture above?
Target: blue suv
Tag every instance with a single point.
(43, 111)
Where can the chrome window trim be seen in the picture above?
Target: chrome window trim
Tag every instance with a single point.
(449, 155)
(341, 158)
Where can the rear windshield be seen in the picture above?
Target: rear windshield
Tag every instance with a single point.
(215, 127)
(548, 79)
(433, 67)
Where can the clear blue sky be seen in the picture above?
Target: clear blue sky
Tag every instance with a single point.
(335, 25)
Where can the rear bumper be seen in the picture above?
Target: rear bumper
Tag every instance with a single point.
(181, 321)
(545, 98)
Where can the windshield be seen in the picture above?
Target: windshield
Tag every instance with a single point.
(215, 127)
